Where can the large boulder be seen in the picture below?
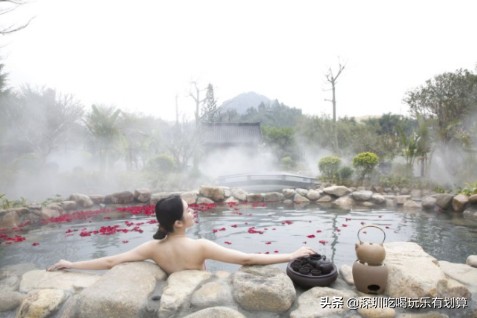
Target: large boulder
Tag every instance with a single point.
(41, 303)
(216, 312)
(459, 202)
(124, 197)
(216, 194)
(428, 203)
(414, 273)
(318, 302)
(444, 200)
(239, 194)
(180, 286)
(471, 260)
(300, 199)
(68, 281)
(313, 195)
(289, 193)
(272, 197)
(263, 288)
(121, 292)
(82, 200)
(142, 195)
(190, 197)
(344, 203)
(214, 293)
(337, 191)
(363, 195)
(10, 300)
(463, 273)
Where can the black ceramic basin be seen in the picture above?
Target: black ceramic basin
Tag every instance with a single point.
(305, 273)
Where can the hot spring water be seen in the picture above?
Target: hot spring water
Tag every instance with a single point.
(249, 228)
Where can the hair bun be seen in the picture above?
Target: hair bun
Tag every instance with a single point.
(160, 234)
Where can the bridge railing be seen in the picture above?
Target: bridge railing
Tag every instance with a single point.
(278, 179)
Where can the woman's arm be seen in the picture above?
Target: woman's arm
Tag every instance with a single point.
(140, 253)
(216, 252)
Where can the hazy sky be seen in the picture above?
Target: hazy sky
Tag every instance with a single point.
(138, 55)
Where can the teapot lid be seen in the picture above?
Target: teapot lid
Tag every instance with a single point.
(375, 226)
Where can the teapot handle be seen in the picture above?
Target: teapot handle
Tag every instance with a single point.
(384, 233)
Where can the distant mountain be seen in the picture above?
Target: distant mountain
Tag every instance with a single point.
(244, 101)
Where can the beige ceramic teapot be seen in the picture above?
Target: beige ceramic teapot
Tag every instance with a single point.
(372, 254)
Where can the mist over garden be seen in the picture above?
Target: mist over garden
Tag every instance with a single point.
(53, 145)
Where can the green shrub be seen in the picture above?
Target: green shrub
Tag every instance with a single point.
(364, 163)
(345, 173)
(287, 163)
(469, 189)
(329, 167)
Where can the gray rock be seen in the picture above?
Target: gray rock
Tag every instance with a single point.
(254, 197)
(240, 194)
(216, 293)
(9, 282)
(155, 197)
(124, 197)
(298, 198)
(459, 202)
(411, 205)
(82, 200)
(41, 303)
(344, 203)
(68, 281)
(10, 300)
(263, 288)
(471, 260)
(69, 205)
(463, 273)
(302, 192)
(97, 198)
(203, 200)
(378, 199)
(346, 272)
(190, 197)
(216, 194)
(371, 312)
(428, 203)
(273, 197)
(313, 195)
(142, 195)
(289, 193)
(313, 303)
(216, 312)
(363, 195)
(443, 200)
(120, 292)
(473, 199)
(412, 272)
(401, 199)
(337, 191)
(180, 286)
(325, 199)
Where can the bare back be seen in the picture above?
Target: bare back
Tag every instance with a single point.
(176, 254)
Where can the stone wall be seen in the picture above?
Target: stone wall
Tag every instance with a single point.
(142, 289)
(333, 196)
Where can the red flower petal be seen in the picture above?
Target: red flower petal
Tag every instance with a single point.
(311, 236)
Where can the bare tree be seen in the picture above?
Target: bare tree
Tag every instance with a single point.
(8, 6)
(195, 95)
(332, 78)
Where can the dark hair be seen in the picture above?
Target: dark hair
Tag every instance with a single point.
(168, 211)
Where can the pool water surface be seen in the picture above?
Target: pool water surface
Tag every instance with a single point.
(249, 228)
